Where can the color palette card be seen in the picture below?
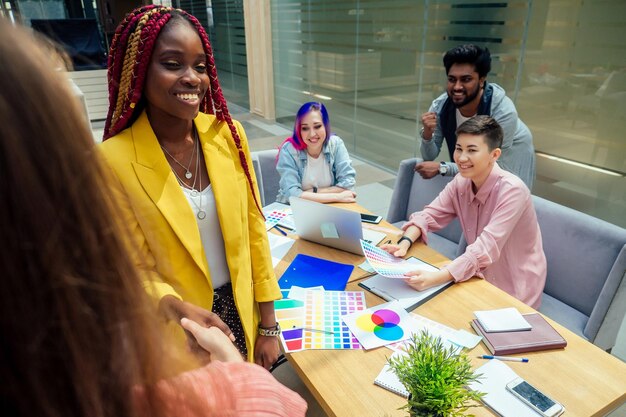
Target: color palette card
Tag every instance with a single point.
(380, 325)
(285, 221)
(386, 264)
(323, 327)
(273, 217)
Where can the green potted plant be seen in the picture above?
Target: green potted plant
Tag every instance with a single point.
(436, 378)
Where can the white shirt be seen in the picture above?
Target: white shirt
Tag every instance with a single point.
(210, 233)
(460, 119)
(316, 173)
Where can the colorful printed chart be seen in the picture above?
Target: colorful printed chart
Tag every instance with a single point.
(323, 327)
(290, 316)
(384, 263)
(273, 218)
(380, 325)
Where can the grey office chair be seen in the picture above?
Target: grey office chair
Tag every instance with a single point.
(264, 163)
(410, 194)
(586, 265)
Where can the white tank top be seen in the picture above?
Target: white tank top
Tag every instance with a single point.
(316, 173)
(210, 233)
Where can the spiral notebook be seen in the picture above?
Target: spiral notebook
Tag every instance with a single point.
(389, 380)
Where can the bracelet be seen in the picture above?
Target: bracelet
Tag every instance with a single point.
(405, 238)
(314, 189)
(269, 331)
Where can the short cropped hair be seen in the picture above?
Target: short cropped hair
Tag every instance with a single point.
(469, 54)
(483, 125)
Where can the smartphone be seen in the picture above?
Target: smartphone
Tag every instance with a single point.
(371, 218)
(534, 398)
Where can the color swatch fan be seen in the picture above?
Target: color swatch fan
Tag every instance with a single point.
(386, 264)
(290, 316)
(380, 325)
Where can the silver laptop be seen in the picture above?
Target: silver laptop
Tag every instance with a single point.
(331, 226)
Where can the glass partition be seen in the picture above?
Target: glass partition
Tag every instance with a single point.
(228, 39)
(377, 65)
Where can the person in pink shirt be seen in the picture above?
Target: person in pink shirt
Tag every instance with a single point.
(227, 386)
(497, 216)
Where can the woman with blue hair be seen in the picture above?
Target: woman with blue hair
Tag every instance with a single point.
(313, 163)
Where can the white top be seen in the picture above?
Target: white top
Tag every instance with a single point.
(210, 234)
(460, 119)
(316, 173)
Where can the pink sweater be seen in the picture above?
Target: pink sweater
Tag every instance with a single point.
(500, 225)
(227, 389)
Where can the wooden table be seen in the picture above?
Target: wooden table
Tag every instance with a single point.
(584, 378)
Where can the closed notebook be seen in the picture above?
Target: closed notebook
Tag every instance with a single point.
(542, 336)
(388, 379)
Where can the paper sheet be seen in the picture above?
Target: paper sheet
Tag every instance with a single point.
(279, 246)
(299, 293)
(380, 325)
(496, 375)
(502, 320)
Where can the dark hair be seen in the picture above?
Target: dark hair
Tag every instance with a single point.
(483, 125)
(469, 54)
(131, 50)
(79, 334)
(305, 109)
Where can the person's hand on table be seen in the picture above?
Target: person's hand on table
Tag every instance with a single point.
(346, 196)
(266, 351)
(427, 169)
(404, 244)
(422, 280)
(213, 340)
(396, 250)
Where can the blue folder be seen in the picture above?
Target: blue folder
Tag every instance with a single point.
(308, 271)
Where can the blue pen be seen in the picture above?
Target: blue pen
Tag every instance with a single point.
(504, 358)
(282, 232)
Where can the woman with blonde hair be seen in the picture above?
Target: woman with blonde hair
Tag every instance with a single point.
(80, 337)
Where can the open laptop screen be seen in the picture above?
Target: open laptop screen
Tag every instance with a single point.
(330, 226)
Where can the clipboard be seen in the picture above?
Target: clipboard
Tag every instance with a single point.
(390, 289)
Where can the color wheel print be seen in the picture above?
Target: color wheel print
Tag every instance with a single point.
(383, 323)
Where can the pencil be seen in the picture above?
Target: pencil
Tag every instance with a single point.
(504, 358)
(282, 232)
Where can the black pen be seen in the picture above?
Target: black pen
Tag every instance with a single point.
(282, 232)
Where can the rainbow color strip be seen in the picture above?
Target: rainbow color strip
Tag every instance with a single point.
(324, 311)
(384, 263)
(290, 316)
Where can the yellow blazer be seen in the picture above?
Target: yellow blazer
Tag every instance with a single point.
(164, 227)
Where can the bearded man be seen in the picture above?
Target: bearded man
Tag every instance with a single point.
(468, 94)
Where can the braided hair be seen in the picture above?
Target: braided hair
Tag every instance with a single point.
(129, 57)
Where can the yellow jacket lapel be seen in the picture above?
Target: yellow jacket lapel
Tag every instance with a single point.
(160, 183)
(222, 163)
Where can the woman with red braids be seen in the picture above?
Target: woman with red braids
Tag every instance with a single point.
(186, 186)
